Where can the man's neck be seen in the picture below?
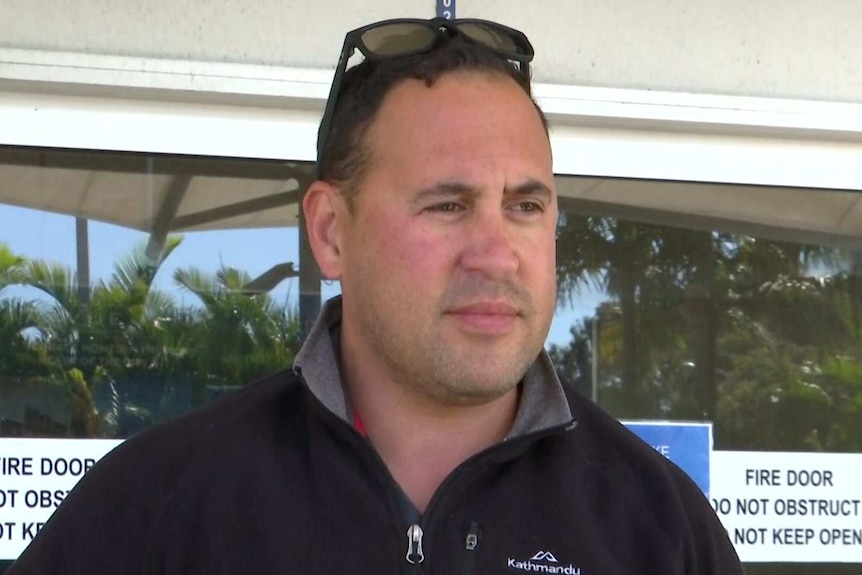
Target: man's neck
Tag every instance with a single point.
(421, 441)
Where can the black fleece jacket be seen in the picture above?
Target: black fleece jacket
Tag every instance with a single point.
(274, 479)
(270, 481)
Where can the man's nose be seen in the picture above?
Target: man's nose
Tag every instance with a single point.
(489, 246)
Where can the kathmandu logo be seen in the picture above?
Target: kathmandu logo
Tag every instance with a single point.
(543, 562)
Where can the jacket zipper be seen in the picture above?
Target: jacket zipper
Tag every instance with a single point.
(415, 533)
(415, 555)
(468, 563)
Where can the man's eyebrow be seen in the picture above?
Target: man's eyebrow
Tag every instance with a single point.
(456, 188)
(531, 187)
(443, 190)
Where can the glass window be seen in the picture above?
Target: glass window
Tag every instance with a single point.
(736, 305)
(134, 287)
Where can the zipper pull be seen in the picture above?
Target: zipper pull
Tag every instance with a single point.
(468, 561)
(472, 537)
(414, 545)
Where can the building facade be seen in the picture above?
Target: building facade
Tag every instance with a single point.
(709, 166)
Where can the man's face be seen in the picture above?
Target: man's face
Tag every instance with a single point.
(448, 261)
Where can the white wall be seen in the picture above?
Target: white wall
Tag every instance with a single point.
(800, 49)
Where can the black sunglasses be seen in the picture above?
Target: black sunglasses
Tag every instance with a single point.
(402, 37)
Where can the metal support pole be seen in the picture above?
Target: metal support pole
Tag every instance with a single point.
(82, 242)
(594, 360)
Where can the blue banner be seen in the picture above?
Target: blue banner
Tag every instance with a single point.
(688, 445)
(446, 9)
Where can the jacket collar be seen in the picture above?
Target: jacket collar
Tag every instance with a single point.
(543, 402)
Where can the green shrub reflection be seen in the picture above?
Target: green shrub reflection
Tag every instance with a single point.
(111, 360)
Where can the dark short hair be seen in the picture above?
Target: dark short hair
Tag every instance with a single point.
(346, 157)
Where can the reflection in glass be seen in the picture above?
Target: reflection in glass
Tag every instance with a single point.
(736, 305)
(135, 287)
(168, 323)
(759, 335)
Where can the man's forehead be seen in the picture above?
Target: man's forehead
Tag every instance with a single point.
(457, 112)
(478, 130)
(456, 88)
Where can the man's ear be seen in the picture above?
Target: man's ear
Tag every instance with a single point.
(324, 210)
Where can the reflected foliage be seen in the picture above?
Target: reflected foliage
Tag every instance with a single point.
(112, 359)
(761, 337)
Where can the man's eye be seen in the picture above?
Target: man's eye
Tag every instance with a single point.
(529, 207)
(445, 207)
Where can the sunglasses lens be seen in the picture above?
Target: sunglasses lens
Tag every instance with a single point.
(491, 37)
(399, 38)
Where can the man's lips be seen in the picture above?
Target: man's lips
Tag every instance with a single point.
(486, 318)
(485, 308)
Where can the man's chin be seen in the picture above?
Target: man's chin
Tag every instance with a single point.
(476, 393)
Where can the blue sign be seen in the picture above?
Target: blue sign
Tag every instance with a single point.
(688, 445)
(446, 9)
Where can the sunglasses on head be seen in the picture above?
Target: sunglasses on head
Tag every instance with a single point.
(403, 37)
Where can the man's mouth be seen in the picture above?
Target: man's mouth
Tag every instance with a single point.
(485, 317)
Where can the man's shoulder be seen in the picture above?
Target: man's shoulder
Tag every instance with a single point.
(255, 412)
(603, 438)
(627, 464)
(631, 487)
(120, 508)
(637, 482)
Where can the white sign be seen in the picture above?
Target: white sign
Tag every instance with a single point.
(776, 507)
(35, 477)
(790, 507)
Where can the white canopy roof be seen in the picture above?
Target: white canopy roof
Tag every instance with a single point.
(149, 193)
(159, 195)
(800, 215)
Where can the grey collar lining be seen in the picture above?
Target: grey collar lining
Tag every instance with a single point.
(543, 402)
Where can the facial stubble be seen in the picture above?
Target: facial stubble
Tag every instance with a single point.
(441, 365)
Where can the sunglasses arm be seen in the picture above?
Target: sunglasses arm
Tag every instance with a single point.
(326, 123)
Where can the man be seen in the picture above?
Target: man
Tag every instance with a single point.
(422, 429)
